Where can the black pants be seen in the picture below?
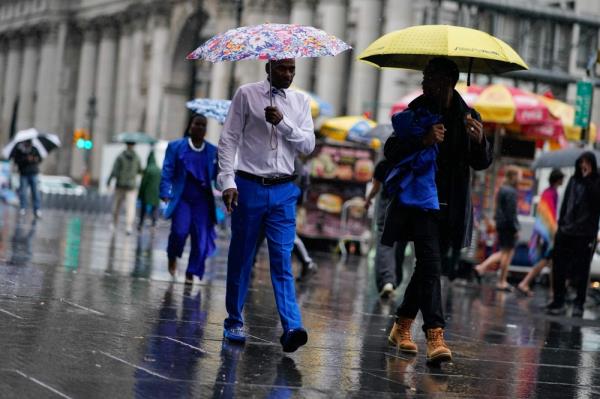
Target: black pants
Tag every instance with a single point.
(571, 257)
(144, 209)
(424, 291)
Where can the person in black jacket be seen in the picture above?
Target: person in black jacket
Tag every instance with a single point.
(507, 228)
(28, 159)
(462, 146)
(575, 239)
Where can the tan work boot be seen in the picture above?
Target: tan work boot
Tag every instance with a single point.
(437, 350)
(400, 336)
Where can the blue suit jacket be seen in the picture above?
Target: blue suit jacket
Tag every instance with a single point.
(174, 173)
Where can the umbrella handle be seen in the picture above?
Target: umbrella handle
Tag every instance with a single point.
(273, 141)
(469, 72)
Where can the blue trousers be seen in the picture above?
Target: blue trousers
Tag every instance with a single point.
(272, 210)
(32, 182)
(195, 220)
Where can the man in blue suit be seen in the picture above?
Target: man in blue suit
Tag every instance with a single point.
(268, 125)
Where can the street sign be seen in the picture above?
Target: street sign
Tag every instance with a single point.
(583, 102)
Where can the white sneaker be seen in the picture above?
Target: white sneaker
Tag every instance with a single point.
(22, 211)
(38, 214)
(387, 290)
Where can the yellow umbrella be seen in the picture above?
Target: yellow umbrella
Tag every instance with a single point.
(471, 49)
(566, 114)
(353, 128)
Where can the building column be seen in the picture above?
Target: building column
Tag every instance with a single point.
(135, 108)
(123, 75)
(220, 72)
(365, 78)
(249, 71)
(105, 94)
(332, 70)
(86, 83)
(303, 12)
(48, 97)
(28, 83)
(48, 81)
(158, 65)
(12, 82)
(3, 59)
(394, 83)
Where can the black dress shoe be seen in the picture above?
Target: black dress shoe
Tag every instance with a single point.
(556, 309)
(292, 339)
(577, 311)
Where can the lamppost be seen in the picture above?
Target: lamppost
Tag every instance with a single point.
(239, 9)
(91, 116)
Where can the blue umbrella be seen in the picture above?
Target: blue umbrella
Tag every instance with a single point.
(135, 137)
(216, 109)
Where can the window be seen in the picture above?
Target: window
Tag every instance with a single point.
(587, 46)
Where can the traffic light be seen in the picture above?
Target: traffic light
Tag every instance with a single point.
(82, 140)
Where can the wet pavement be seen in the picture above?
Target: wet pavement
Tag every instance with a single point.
(85, 313)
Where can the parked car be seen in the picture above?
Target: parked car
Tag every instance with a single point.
(60, 185)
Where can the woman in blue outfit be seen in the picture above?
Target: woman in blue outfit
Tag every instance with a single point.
(189, 170)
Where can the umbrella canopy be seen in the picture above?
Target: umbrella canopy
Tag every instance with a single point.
(43, 142)
(216, 109)
(471, 49)
(347, 128)
(318, 106)
(135, 137)
(269, 42)
(496, 103)
(566, 114)
(561, 158)
(382, 131)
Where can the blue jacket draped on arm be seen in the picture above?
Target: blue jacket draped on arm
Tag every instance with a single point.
(412, 180)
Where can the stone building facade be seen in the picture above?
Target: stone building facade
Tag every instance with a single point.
(119, 65)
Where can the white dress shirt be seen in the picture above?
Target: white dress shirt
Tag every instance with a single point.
(247, 133)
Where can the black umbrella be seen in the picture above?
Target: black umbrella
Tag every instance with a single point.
(561, 158)
(43, 142)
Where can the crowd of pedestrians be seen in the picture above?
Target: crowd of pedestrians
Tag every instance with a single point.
(421, 189)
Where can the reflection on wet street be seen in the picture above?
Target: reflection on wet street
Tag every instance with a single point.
(85, 313)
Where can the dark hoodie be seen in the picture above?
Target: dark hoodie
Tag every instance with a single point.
(580, 210)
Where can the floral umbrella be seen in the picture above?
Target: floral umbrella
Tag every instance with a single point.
(216, 109)
(269, 42)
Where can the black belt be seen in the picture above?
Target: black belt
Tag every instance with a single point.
(266, 181)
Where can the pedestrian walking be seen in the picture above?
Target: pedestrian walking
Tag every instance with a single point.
(267, 128)
(576, 237)
(189, 171)
(436, 143)
(507, 228)
(125, 170)
(28, 159)
(544, 230)
(148, 193)
(388, 260)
